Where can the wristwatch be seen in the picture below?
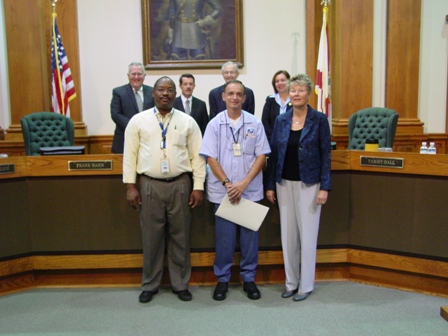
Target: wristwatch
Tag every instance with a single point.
(225, 181)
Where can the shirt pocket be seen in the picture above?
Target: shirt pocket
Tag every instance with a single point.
(179, 138)
(249, 145)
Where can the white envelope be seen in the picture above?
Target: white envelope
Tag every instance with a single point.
(246, 213)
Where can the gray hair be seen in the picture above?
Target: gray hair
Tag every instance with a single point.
(303, 80)
(136, 64)
(235, 66)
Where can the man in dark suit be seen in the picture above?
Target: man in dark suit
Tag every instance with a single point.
(189, 104)
(217, 104)
(128, 100)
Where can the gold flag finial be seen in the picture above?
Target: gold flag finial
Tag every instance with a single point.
(53, 5)
(325, 3)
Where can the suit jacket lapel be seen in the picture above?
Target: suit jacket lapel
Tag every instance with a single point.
(131, 95)
(193, 106)
(308, 124)
(178, 104)
(147, 97)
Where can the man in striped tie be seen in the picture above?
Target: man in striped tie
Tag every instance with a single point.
(128, 100)
(189, 104)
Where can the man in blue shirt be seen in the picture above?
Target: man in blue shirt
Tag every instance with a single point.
(235, 147)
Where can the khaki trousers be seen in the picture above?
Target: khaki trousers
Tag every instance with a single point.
(165, 217)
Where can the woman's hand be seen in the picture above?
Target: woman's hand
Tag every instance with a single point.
(322, 197)
(270, 195)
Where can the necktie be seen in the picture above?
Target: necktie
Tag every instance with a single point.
(187, 107)
(139, 101)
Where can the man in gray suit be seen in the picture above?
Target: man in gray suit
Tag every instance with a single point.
(194, 107)
(128, 100)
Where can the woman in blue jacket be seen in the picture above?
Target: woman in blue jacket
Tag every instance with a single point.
(299, 169)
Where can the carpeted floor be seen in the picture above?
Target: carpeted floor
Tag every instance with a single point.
(334, 308)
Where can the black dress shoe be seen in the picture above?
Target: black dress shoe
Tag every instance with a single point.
(183, 295)
(146, 296)
(220, 291)
(252, 291)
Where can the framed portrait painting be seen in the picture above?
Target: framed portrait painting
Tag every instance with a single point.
(192, 33)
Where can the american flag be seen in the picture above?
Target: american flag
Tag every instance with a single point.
(323, 82)
(62, 86)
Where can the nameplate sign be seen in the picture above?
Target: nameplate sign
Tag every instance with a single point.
(9, 168)
(382, 162)
(90, 165)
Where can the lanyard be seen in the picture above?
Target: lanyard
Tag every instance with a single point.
(164, 130)
(235, 140)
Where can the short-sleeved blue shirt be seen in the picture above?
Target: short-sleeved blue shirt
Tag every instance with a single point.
(217, 143)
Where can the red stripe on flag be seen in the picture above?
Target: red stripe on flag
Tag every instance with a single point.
(63, 89)
(323, 82)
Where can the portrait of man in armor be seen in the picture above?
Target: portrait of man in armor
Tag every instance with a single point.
(192, 30)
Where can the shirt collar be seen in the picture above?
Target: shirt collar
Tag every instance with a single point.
(184, 99)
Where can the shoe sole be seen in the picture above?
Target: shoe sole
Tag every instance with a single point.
(252, 297)
(219, 299)
(289, 294)
(301, 297)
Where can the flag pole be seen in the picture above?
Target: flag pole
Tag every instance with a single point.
(323, 81)
(53, 5)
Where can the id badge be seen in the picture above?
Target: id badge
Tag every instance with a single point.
(236, 149)
(164, 166)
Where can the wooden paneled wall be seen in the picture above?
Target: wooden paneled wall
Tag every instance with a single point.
(351, 47)
(28, 30)
(403, 61)
(28, 26)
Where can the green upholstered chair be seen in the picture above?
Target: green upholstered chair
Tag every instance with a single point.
(46, 129)
(374, 123)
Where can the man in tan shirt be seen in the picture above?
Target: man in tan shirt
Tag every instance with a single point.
(161, 154)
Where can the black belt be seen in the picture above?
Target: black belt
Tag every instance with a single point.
(168, 180)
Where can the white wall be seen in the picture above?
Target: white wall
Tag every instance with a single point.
(433, 66)
(110, 39)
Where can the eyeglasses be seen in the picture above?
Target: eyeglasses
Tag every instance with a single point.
(229, 72)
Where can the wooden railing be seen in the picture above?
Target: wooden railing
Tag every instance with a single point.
(46, 241)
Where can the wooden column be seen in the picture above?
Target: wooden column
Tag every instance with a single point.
(351, 52)
(28, 26)
(403, 62)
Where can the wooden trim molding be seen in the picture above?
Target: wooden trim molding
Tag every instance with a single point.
(117, 269)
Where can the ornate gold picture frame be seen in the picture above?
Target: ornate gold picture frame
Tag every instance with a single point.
(192, 34)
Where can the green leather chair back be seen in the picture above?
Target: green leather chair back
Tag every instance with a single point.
(372, 123)
(46, 129)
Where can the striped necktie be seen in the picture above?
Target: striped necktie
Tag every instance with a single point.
(187, 107)
(139, 101)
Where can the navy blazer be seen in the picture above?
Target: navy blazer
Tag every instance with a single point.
(217, 105)
(314, 149)
(198, 111)
(271, 110)
(122, 108)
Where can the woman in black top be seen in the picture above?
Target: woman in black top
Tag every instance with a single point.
(276, 103)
